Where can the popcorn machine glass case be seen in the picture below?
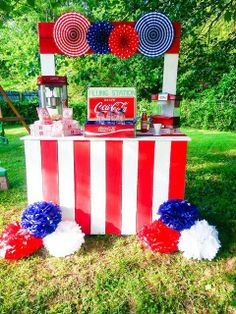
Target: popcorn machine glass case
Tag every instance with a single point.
(53, 94)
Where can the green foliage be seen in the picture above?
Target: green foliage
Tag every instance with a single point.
(215, 108)
(205, 77)
(79, 111)
(27, 109)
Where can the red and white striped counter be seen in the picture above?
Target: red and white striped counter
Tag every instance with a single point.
(109, 186)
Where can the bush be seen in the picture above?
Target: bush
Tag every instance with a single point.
(80, 111)
(208, 114)
(27, 109)
(215, 108)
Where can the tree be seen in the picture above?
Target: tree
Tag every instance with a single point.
(203, 59)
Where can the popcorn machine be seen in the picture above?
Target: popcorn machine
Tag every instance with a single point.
(53, 94)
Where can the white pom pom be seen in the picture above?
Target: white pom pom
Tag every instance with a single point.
(200, 241)
(65, 240)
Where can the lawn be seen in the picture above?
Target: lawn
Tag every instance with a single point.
(113, 274)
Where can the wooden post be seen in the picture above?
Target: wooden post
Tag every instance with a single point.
(47, 62)
(14, 109)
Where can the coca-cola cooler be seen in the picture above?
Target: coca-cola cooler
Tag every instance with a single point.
(111, 112)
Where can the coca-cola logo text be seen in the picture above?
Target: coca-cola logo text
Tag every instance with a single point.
(106, 129)
(111, 107)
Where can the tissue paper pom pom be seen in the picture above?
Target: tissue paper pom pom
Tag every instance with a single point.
(200, 241)
(160, 238)
(16, 242)
(178, 214)
(66, 240)
(98, 35)
(41, 218)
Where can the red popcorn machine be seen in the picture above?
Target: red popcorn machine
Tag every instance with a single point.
(53, 94)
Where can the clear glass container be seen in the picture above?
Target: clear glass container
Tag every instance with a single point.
(156, 106)
(53, 94)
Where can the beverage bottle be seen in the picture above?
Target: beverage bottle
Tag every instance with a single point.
(120, 117)
(100, 117)
(144, 122)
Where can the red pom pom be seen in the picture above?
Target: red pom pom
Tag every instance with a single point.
(123, 41)
(159, 238)
(16, 242)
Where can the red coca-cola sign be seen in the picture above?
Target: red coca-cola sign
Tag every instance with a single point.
(111, 99)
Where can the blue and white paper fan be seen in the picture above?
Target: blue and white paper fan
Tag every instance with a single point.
(156, 34)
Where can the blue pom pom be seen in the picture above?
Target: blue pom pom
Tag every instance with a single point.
(178, 214)
(41, 218)
(98, 36)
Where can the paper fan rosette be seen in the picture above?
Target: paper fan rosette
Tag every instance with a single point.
(69, 34)
(156, 34)
(123, 41)
(98, 36)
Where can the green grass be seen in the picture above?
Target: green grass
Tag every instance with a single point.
(114, 274)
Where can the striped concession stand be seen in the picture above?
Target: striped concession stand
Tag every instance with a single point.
(109, 186)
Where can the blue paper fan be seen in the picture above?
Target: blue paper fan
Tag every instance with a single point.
(98, 35)
(156, 34)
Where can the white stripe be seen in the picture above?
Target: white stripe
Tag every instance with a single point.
(129, 187)
(170, 73)
(66, 179)
(33, 171)
(98, 187)
(47, 64)
(160, 175)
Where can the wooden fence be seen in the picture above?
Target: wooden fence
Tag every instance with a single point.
(19, 96)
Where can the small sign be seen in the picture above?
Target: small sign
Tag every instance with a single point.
(166, 97)
(163, 96)
(105, 99)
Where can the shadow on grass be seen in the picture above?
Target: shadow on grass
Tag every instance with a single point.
(99, 244)
(211, 186)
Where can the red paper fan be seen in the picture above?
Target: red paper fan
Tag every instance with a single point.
(159, 238)
(69, 34)
(16, 242)
(123, 41)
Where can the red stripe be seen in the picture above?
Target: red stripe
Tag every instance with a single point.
(46, 41)
(175, 46)
(50, 171)
(113, 186)
(145, 182)
(177, 170)
(82, 184)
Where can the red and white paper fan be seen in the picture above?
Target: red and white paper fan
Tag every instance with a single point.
(69, 34)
